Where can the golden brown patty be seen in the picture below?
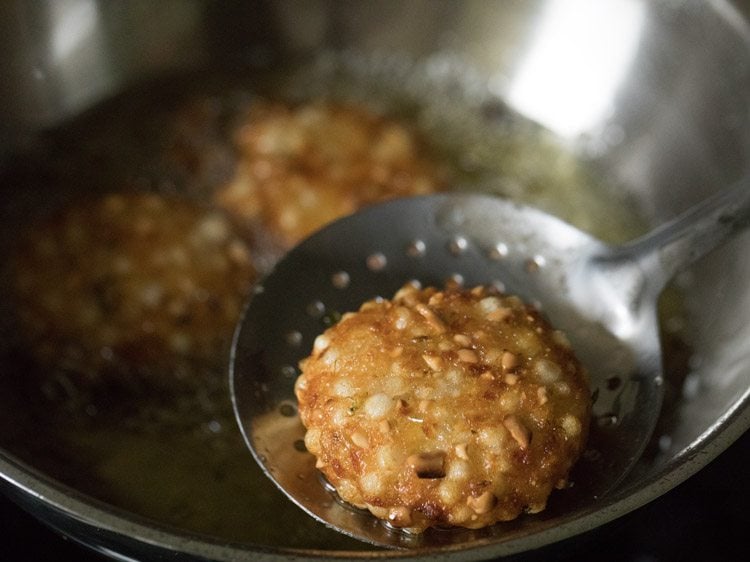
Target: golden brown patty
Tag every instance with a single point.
(301, 168)
(131, 283)
(456, 408)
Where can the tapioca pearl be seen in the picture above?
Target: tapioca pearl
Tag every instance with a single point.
(571, 425)
(454, 376)
(372, 483)
(489, 304)
(460, 514)
(528, 342)
(387, 457)
(403, 317)
(546, 371)
(561, 388)
(343, 388)
(394, 385)
(214, 229)
(378, 406)
(491, 438)
(449, 492)
(424, 392)
(458, 469)
(509, 402)
(321, 344)
(330, 356)
(300, 385)
(312, 440)
(348, 490)
(561, 338)
(340, 415)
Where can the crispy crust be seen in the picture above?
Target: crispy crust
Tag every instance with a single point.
(452, 407)
(301, 168)
(131, 283)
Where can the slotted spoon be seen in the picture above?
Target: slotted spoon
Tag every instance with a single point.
(603, 297)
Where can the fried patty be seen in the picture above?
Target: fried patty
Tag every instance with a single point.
(131, 283)
(303, 167)
(455, 407)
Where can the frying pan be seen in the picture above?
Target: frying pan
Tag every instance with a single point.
(651, 95)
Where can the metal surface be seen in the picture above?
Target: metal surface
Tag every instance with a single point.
(603, 298)
(300, 293)
(671, 124)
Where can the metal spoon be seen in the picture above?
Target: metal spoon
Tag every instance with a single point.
(603, 297)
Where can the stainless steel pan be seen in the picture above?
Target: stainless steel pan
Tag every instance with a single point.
(652, 95)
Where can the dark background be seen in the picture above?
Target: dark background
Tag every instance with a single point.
(704, 518)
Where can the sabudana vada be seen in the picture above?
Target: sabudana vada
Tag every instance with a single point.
(450, 407)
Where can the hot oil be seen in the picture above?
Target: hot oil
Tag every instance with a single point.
(178, 457)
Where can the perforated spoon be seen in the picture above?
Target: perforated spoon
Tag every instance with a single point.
(603, 297)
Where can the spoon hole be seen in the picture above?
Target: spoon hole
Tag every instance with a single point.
(294, 338)
(458, 245)
(592, 455)
(416, 283)
(499, 286)
(316, 309)
(691, 387)
(288, 372)
(331, 318)
(455, 280)
(608, 420)
(498, 252)
(535, 264)
(376, 262)
(288, 410)
(416, 249)
(340, 279)
(613, 383)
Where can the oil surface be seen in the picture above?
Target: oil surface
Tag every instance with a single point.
(179, 459)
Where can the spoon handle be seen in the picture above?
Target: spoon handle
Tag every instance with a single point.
(673, 246)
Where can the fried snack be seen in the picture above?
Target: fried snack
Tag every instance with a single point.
(444, 408)
(301, 168)
(131, 285)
